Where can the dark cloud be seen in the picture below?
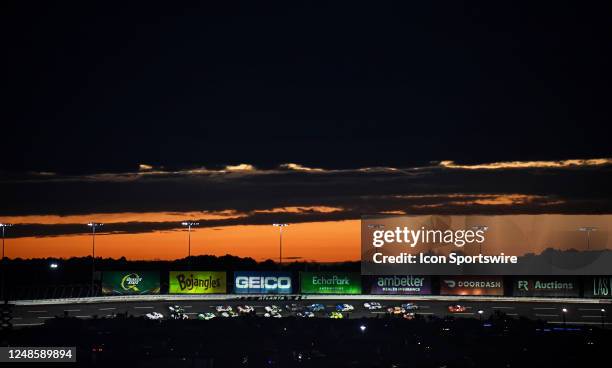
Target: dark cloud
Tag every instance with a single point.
(258, 196)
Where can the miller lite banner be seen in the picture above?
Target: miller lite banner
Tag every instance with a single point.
(197, 282)
(471, 285)
(396, 284)
(546, 286)
(130, 282)
(330, 283)
(599, 287)
(262, 282)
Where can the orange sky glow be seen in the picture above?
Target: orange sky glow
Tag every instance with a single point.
(319, 241)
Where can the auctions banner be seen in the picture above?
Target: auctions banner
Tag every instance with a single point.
(553, 245)
(546, 286)
(197, 282)
(130, 282)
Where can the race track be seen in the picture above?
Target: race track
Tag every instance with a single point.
(578, 311)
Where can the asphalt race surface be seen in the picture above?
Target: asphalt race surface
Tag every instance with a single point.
(576, 313)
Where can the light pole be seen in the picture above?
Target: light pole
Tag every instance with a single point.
(480, 312)
(588, 230)
(280, 244)
(480, 228)
(189, 225)
(603, 318)
(564, 310)
(93, 226)
(3, 226)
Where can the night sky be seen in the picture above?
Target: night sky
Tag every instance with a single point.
(240, 115)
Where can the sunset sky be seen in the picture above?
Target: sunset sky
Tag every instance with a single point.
(314, 115)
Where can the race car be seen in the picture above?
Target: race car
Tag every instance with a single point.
(154, 316)
(272, 309)
(223, 308)
(396, 310)
(456, 308)
(305, 314)
(408, 315)
(372, 305)
(273, 314)
(206, 316)
(246, 309)
(177, 312)
(410, 306)
(344, 308)
(317, 307)
(229, 314)
(293, 307)
(336, 315)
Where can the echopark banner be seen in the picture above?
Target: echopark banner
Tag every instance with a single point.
(486, 245)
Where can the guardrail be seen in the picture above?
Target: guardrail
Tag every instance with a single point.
(212, 297)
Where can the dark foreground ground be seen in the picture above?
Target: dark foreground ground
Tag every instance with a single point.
(291, 342)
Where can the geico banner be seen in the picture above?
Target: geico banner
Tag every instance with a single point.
(396, 284)
(471, 285)
(330, 283)
(130, 282)
(598, 287)
(262, 282)
(197, 282)
(546, 286)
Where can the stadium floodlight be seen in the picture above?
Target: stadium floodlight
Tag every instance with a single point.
(603, 310)
(480, 312)
(189, 225)
(480, 228)
(93, 226)
(362, 328)
(280, 244)
(588, 230)
(4, 226)
(564, 310)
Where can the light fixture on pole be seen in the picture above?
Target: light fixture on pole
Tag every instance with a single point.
(93, 226)
(588, 230)
(189, 225)
(280, 244)
(4, 227)
(480, 228)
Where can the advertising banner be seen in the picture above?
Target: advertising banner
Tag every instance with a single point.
(330, 283)
(396, 284)
(471, 285)
(197, 282)
(599, 287)
(546, 286)
(252, 282)
(130, 282)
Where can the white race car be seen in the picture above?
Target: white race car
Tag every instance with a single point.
(223, 308)
(344, 308)
(246, 309)
(206, 316)
(272, 309)
(305, 314)
(410, 306)
(372, 305)
(231, 313)
(177, 312)
(154, 316)
(273, 315)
